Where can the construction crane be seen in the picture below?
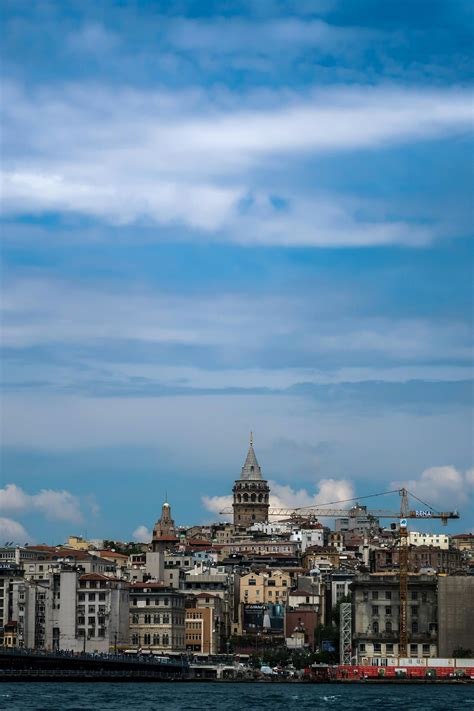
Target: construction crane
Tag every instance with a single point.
(403, 515)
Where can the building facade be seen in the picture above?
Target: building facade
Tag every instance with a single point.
(67, 610)
(157, 618)
(455, 613)
(375, 612)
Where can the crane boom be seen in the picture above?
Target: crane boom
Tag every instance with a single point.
(321, 512)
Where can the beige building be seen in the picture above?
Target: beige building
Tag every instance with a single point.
(157, 618)
(264, 588)
(250, 547)
(322, 558)
(205, 633)
(78, 543)
(463, 542)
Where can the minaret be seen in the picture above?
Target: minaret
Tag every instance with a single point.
(251, 492)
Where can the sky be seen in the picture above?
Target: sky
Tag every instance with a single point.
(228, 216)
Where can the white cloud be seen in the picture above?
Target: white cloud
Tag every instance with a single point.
(442, 487)
(142, 534)
(11, 530)
(284, 496)
(57, 505)
(13, 499)
(216, 504)
(194, 159)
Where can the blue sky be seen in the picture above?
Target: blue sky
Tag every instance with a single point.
(220, 217)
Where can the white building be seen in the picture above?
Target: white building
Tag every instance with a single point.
(438, 540)
(72, 611)
(306, 537)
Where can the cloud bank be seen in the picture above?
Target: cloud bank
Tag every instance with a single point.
(57, 505)
(191, 159)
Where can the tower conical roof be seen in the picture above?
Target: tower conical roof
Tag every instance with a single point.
(251, 468)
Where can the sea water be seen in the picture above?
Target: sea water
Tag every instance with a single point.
(200, 696)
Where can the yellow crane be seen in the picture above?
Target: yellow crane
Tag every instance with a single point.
(405, 513)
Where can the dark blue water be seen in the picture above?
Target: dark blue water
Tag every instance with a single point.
(233, 697)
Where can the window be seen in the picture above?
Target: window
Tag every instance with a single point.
(414, 610)
(147, 602)
(91, 596)
(414, 595)
(92, 620)
(252, 582)
(388, 611)
(424, 597)
(156, 619)
(81, 597)
(375, 595)
(414, 626)
(426, 650)
(377, 647)
(375, 611)
(388, 626)
(362, 647)
(388, 595)
(147, 619)
(101, 596)
(135, 619)
(156, 639)
(146, 639)
(135, 639)
(413, 650)
(166, 640)
(375, 627)
(389, 647)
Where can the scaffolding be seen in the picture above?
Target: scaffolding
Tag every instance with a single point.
(345, 639)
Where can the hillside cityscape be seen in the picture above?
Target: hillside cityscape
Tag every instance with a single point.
(273, 589)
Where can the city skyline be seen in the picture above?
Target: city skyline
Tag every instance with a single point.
(221, 218)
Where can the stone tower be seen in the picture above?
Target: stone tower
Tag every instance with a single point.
(251, 492)
(164, 530)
